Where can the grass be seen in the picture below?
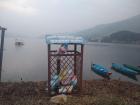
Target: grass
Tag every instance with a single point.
(73, 100)
(96, 92)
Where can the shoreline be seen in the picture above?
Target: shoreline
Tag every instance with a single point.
(109, 91)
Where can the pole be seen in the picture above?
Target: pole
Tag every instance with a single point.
(1, 48)
(75, 61)
(49, 70)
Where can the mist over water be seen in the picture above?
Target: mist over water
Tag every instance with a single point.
(29, 62)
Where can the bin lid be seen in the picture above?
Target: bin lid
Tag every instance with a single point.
(59, 39)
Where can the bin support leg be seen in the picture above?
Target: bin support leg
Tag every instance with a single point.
(75, 48)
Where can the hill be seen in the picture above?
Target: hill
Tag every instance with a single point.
(97, 32)
(123, 37)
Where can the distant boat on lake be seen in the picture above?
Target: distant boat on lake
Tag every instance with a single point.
(19, 42)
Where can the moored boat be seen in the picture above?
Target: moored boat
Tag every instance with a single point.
(122, 69)
(19, 43)
(101, 70)
(137, 69)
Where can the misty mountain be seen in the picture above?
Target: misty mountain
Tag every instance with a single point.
(123, 37)
(97, 32)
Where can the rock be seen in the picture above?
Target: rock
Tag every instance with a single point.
(59, 99)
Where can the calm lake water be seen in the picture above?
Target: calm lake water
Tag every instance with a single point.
(30, 60)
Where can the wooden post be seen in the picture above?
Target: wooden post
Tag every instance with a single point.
(75, 49)
(81, 70)
(49, 72)
(1, 48)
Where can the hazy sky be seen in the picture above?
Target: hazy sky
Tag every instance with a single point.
(38, 17)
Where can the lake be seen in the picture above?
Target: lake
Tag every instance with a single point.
(29, 61)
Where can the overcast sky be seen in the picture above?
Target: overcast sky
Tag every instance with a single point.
(38, 17)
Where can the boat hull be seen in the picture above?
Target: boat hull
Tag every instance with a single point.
(137, 69)
(126, 71)
(100, 70)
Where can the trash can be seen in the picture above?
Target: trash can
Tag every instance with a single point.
(65, 64)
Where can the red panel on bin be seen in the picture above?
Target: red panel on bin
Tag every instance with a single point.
(65, 71)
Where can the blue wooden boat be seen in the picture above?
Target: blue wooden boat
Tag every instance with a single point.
(122, 69)
(137, 69)
(100, 70)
